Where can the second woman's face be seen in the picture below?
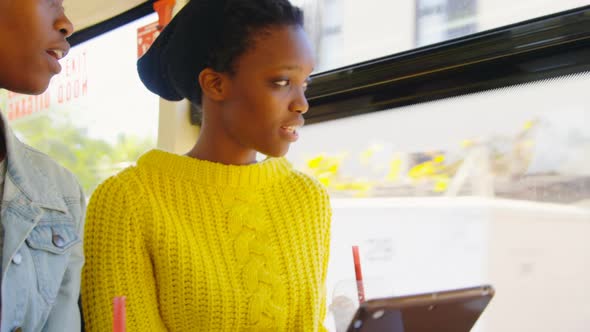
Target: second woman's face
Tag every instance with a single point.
(33, 38)
(266, 101)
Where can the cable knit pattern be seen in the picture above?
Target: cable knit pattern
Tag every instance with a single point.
(200, 246)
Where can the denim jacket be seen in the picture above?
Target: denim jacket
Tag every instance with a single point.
(42, 214)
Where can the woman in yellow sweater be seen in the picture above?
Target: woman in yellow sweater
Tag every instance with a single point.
(214, 240)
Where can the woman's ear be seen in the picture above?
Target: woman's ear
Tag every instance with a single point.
(214, 84)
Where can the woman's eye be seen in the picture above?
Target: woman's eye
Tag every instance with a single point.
(282, 82)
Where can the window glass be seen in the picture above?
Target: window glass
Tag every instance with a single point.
(499, 143)
(351, 31)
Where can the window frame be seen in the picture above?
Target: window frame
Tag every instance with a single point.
(113, 23)
(537, 49)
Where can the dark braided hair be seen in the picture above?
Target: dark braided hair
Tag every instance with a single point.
(209, 33)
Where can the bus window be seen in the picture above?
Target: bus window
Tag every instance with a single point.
(351, 31)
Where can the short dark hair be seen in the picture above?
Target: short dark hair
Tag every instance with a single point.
(208, 33)
(243, 19)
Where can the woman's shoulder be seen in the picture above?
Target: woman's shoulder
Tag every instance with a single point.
(309, 182)
(306, 178)
(126, 182)
(132, 177)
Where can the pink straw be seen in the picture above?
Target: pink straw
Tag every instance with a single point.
(119, 314)
(360, 288)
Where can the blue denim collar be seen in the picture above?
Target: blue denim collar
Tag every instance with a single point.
(32, 180)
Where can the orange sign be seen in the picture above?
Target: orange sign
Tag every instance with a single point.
(164, 9)
(145, 37)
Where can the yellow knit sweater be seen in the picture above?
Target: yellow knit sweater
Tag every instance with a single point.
(199, 246)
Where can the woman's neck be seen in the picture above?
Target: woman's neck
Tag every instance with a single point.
(221, 149)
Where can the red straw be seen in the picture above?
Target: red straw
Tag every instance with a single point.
(359, 274)
(119, 314)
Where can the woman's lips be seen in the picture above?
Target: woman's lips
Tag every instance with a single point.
(56, 53)
(290, 133)
(53, 63)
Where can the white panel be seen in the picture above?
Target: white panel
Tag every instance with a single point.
(90, 12)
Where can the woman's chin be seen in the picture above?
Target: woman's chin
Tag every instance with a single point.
(276, 152)
(32, 87)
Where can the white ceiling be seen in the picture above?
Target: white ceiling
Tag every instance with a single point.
(84, 13)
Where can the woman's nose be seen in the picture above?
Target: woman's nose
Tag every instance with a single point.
(64, 25)
(299, 104)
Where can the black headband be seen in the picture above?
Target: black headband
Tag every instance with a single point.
(171, 66)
